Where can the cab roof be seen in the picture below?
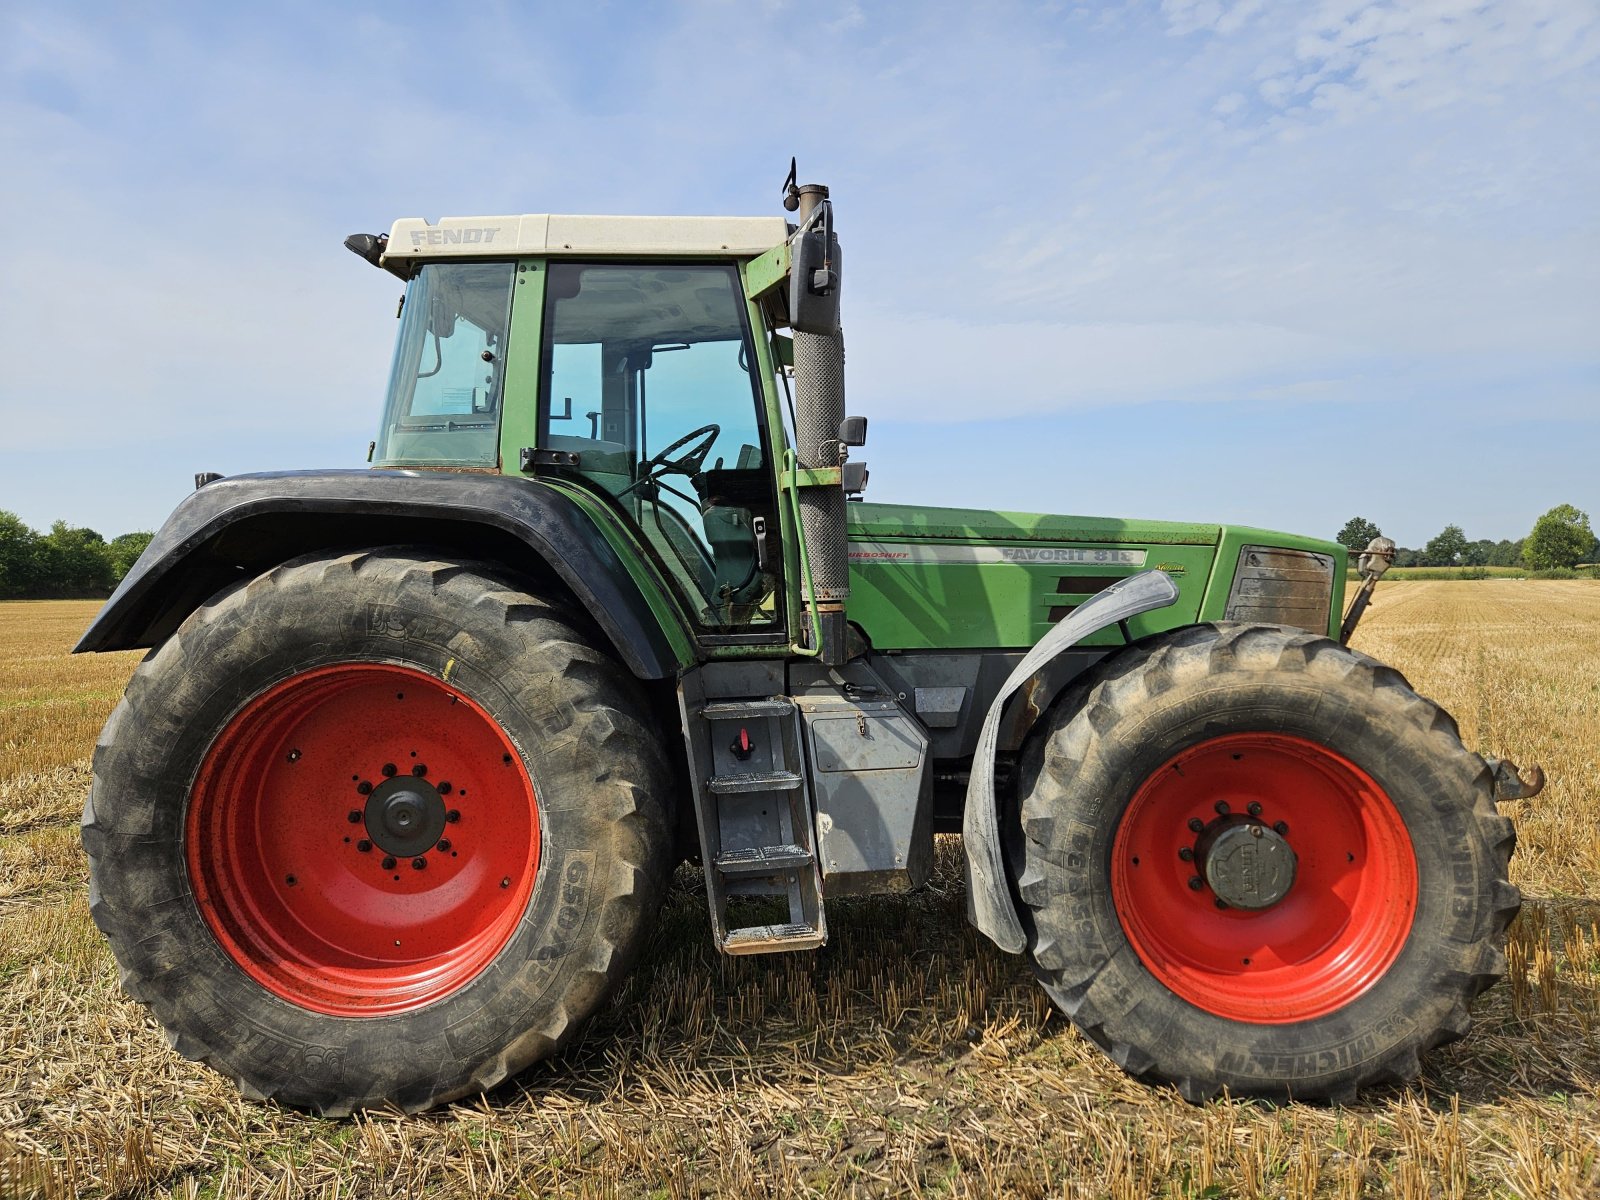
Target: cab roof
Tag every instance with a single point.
(582, 236)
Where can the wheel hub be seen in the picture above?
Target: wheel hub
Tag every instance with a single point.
(1249, 866)
(405, 816)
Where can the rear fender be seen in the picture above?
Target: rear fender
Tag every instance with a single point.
(990, 904)
(236, 528)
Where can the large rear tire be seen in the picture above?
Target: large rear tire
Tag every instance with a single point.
(1251, 858)
(376, 829)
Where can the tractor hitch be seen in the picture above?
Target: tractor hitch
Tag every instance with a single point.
(1377, 558)
(1512, 782)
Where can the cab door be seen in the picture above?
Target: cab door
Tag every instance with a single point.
(649, 377)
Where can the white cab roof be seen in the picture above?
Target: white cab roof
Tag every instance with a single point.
(545, 233)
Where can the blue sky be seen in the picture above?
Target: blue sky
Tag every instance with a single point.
(1204, 259)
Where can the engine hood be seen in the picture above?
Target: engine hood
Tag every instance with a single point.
(915, 521)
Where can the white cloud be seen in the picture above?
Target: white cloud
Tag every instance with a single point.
(1348, 59)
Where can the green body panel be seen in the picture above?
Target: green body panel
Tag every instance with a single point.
(913, 588)
(1236, 536)
(767, 368)
(869, 520)
(519, 422)
(952, 578)
(674, 623)
(766, 271)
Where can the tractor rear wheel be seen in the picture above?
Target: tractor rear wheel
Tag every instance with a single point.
(376, 829)
(1251, 858)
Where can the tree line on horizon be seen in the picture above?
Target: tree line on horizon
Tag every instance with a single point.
(1559, 540)
(67, 562)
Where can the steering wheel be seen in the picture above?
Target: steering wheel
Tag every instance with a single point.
(662, 462)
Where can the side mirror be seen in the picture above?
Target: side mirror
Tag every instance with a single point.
(853, 475)
(814, 269)
(369, 246)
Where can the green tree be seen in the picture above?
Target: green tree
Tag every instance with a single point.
(1404, 557)
(1477, 553)
(1446, 549)
(19, 556)
(1560, 538)
(1506, 553)
(125, 550)
(75, 562)
(1357, 532)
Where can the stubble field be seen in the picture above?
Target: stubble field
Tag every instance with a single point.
(906, 1057)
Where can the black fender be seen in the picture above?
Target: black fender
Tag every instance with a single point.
(240, 526)
(990, 905)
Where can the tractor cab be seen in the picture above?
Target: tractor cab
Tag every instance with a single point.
(643, 378)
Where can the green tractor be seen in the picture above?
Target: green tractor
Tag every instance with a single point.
(389, 807)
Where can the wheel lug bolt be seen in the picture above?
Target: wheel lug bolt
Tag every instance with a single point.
(1196, 883)
(1221, 903)
(1196, 824)
(444, 787)
(1222, 807)
(419, 770)
(354, 817)
(388, 770)
(1281, 827)
(418, 863)
(506, 882)
(364, 846)
(1255, 831)
(294, 756)
(1255, 809)
(453, 815)
(364, 788)
(1186, 854)
(388, 863)
(444, 845)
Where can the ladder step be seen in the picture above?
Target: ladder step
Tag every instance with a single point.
(763, 860)
(763, 939)
(754, 781)
(733, 710)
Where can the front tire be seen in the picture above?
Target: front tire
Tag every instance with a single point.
(376, 829)
(1253, 859)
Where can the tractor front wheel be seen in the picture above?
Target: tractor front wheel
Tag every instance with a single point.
(1254, 859)
(376, 829)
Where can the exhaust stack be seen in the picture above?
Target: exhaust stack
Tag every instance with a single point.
(819, 408)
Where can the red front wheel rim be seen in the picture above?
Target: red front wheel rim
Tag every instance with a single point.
(1336, 930)
(362, 839)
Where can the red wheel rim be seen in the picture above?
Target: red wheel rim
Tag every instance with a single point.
(1343, 920)
(283, 845)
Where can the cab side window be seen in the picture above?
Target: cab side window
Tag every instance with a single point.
(649, 379)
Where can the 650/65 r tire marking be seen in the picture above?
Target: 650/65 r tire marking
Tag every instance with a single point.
(362, 839)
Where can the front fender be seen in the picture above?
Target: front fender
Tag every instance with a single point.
(990, 905)
(240, 526)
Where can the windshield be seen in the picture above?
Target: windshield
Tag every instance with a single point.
(649, 380)
(449, 368)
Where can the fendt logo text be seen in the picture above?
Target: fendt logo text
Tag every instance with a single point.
(453, 237)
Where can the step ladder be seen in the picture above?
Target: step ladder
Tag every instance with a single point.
(754, 816)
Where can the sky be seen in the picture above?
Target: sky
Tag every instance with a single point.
(1226, 260)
